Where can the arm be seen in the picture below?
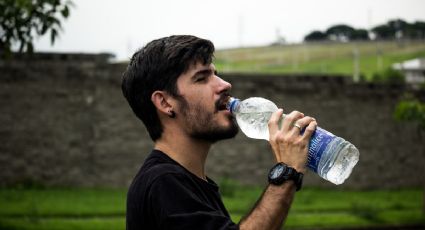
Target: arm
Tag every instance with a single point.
(271, 209)
(291, 148)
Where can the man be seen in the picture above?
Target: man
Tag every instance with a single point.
(172, 86)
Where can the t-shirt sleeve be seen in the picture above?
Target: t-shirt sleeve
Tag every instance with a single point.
(175, 204)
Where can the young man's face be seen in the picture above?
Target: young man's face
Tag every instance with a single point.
(202, 104)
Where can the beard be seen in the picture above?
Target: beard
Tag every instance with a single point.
(201, 124)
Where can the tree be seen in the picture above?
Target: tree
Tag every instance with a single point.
(399, 27)
(315, 36)
(359, 34)
(23, 20)
(383, 32)
(417, 30)
(340, 32)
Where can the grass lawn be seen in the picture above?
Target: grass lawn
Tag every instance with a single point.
(105, 208)
(328, 58)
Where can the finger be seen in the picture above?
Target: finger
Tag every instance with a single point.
(274, 121)
(309, 130)
(289, 120)
(300, 124)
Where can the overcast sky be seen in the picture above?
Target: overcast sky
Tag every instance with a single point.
(120, 27)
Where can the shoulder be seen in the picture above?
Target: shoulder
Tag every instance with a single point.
(158, 168)
(163, 173)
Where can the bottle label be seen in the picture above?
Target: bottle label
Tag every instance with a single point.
(318, 143)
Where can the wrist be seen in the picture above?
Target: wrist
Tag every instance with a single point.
(281, 173)
(301, 168)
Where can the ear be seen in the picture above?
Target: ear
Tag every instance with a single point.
(162, 101)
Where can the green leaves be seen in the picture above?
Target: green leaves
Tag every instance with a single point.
(21, 21)
(53, 34)
(411, 110)
(65, 12)
(389, 75)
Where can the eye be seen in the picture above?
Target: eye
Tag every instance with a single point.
(201, 78)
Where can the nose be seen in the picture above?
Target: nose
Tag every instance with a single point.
(223, 85)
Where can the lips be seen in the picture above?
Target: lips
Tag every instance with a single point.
(222, 102)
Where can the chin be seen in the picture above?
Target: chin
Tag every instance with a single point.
(218, 133)
(230, 121)
(231, 128)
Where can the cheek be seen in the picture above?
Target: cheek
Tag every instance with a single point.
(203, 97)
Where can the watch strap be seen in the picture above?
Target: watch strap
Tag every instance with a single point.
(288, 173)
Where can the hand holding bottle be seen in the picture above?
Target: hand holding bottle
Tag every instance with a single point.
(289, 145)
(330, 156)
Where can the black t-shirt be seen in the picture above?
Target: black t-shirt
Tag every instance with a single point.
(164, 195)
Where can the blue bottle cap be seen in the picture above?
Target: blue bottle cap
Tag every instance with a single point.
(232, 104)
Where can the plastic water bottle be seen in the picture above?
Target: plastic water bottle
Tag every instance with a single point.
(331, 157)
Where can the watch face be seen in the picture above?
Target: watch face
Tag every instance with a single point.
(281, 173)
(277, 171)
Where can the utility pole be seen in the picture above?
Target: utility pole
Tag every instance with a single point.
(356, 67)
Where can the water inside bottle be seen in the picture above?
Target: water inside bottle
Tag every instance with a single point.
(254, 125)
(341, 169)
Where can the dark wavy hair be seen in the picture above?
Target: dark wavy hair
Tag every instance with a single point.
(157, 66)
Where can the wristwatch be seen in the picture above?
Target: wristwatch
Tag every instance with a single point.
(282, 172)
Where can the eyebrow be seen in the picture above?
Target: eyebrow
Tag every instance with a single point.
(205, 72)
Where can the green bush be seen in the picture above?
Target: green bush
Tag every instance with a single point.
(411, 110)
(389, 75)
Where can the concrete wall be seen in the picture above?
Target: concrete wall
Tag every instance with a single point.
(64, 122)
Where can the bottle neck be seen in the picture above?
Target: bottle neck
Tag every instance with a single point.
(233, 104)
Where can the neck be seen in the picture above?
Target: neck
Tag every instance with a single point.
(188, 152)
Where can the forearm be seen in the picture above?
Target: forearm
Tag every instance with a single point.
(272, 208)
(290, 148)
